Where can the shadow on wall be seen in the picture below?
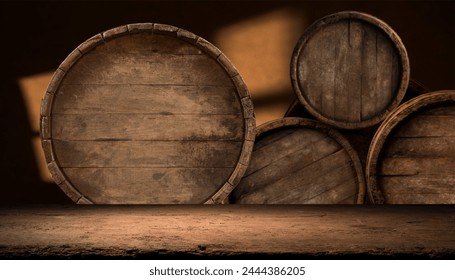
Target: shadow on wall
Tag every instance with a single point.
(257, 36)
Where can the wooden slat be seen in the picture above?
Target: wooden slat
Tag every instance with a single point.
(148, 153)
(266, 140)
(155, 185)
(323, 65)
(305, 69)
(385, 68)
(420, 184)
(418, 165)
(341, 98)
(423, 189)
(146, 43)
(301, 185)
(427, 198)
(119, 68)
(354, 72)
(258, 176)
(147, 127)
(312, 142)
(129, 98)
(427, 126)
(420, 147)
(345, 193)
(349, 200)
(369, 74)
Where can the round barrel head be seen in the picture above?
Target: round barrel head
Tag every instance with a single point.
(147, 113)
(301, 161)
(412, 156)
(350, 70)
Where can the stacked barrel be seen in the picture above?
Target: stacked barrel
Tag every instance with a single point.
(350, 72)
(151, 113)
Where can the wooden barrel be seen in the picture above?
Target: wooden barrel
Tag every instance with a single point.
(147, 113)
(412, 156)
(301, 161)
(350, 70)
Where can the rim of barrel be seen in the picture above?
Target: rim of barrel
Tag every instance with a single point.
(391, 34)
(381, 136)
(154, 28)
(333, 133)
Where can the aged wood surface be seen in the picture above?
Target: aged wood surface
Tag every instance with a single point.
(349, 70)
(152, 231)
(147, 113)
(412, 157)
(360, 139)
(300, 161)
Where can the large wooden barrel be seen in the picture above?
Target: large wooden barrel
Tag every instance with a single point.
(147, 113)
(412, 156)
(350, 70)
(301, 161)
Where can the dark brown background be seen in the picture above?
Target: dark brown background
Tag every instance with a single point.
(258, 36)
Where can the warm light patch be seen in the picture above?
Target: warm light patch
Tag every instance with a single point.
(261, 49)
(33, 89)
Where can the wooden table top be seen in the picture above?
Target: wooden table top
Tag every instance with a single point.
(227, 231)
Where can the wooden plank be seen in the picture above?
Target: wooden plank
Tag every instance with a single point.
(369, 74)
(228, 232)
(418, 184)
(304, 80)
(354, 72)
(148, 153)
(420, 147)
(156, 185)
(427, 198)
(419, 189)
(341, 98)
(345, 193)
(321, 177)
(147, 127)
(268, 139)
(417, 165)
(385, 52)
(349, 200)
(427, 126)
(129, 98)
(323, 71)
(305, 183)
(146, 43)
(313, 142)
(149, 68)
(257, 177)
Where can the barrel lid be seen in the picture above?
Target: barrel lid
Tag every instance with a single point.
(350, 69)
(301, 161)
(147, 113)
(417, 134)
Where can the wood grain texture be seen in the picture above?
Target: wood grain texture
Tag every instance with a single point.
(228, 231)
(412, 157)
(349, 70)
(360, 139)
(299, 161)
(147, 113)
